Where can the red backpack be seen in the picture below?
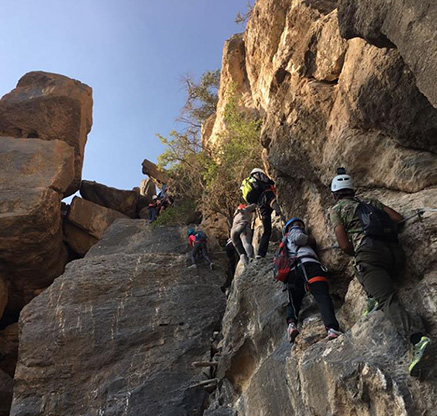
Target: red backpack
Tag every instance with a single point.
(282, 262)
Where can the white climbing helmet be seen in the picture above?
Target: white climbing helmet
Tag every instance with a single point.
(155, 197)
(343, 181)
(256, 170)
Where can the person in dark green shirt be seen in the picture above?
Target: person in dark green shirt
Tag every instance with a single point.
(377, 262)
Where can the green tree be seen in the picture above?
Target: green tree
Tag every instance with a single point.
(183, 156)
(212, 175)
(238, 151)
(202, 98)
(242, 18)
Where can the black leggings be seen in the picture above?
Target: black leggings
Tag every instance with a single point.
(199, 247)
(266, 218)
(297, 284)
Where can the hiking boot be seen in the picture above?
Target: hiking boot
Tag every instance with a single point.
(333, 333)
(422, 352)
(292, 332)
(193, 266)
(371, 306)
(211, 266)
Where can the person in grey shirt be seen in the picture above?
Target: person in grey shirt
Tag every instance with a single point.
(241, 232)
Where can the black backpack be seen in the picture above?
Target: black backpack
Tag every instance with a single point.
(376, 223)
(201, 236)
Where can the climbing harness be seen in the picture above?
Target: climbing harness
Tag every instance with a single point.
(300, 265)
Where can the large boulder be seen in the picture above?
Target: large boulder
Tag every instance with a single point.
(77, 239)
(118, 332)
(147, 190)
(154, 172)
(50, 107)
(35, 173)
(31, 164)
(119, 200)
(90, 217)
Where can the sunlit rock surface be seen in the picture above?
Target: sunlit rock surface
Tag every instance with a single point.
(50, 107)
(120, 200)
(328, 101)
(117, 333)
(90, 217)
(34, 175)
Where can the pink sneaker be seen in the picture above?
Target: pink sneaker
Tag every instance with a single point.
(292, 331)
(333, 333)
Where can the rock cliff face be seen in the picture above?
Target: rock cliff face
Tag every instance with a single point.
(117, 333)
(349, 87)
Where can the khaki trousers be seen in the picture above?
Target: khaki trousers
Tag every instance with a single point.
(377, 264)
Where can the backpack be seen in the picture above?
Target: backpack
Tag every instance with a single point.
(282, 262)
(201, 236)
(376, 223)
(250, 190)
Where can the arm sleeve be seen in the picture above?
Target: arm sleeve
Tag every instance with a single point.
(335, 218)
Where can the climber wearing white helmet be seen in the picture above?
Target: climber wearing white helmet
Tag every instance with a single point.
(343, 182)
(259, 189)
(367, 230)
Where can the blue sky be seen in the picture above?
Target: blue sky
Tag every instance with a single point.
(131, 52)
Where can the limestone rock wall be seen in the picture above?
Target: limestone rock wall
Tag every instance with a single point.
(117, 332)
(234, 79)
(408, 25)
(349, 87)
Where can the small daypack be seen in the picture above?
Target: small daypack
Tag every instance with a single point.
(376, 223)
(282, 262)
(249, 190)
(201, 236)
